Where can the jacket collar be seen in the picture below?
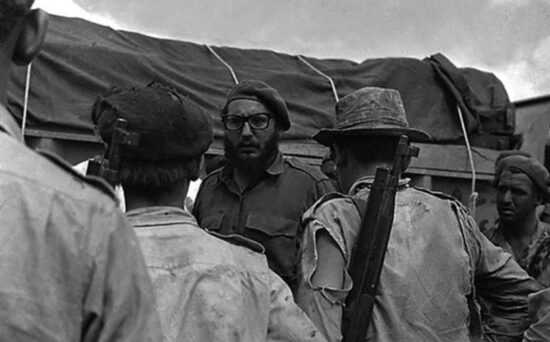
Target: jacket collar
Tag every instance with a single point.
(365, 182)
(148, 216)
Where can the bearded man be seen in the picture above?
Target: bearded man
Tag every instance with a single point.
(206, 289)
(259, 193)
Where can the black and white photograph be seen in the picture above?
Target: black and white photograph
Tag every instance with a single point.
(291, 170)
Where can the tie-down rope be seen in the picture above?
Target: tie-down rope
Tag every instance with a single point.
(473, 195)
(334, 92)
(235, 79)
(26, 100)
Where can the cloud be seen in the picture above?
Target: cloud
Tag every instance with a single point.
(69, 8)
(507, 37)
(516, 3)
(515, 78)
(509, 2)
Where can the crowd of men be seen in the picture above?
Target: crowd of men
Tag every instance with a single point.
(265, 254)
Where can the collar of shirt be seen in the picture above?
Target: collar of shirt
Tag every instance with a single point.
(8, 124)
(366, 182)
(496, 235)
(276, 168)
(155, 216)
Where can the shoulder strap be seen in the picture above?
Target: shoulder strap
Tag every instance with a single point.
(310, 170)
(96, 182)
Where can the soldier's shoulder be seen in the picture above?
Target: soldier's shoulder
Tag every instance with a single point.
(433, 193)
(441, 198)
(311, 171)
(240, 241)
(330, 201)
(332, 197)
(62, 166)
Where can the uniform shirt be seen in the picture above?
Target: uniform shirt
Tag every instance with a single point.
(528, 258)
(268, 212)
(70, 266)
(435, 263)
(539, 308)
(210, 290)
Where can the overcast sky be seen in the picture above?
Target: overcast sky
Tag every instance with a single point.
(510, 38)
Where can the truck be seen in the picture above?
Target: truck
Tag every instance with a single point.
(466, 111)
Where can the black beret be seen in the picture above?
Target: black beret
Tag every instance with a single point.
(169, 125)
(261, 92)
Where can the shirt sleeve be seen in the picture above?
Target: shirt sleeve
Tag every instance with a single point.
(324, 304)
(287, 322)
(502, 285)
(539, 308)
(119, 303)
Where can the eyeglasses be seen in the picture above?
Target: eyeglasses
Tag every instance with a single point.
(236, 122)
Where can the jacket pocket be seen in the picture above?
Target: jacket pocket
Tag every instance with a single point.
(279, 236)
(271, 225)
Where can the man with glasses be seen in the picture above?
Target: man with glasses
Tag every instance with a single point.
(258, 193)
(207, 289)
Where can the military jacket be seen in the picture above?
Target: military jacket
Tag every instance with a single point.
(268, 212)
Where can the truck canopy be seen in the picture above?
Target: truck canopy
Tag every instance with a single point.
(81, 59)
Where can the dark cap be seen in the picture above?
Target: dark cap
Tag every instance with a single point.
(261, 92)
(522, 162)
(170, 126)
(370, 111)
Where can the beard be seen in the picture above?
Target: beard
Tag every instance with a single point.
(251, 166)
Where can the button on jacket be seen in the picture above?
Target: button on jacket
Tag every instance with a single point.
(70, 266)
(436, 263)
(268, 212)
(210, 290)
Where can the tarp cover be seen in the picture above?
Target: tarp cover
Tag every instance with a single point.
(82, 59)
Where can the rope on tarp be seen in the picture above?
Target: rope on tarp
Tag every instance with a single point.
(473, 195)
(235, 79)
(26, 100)
(334, 92)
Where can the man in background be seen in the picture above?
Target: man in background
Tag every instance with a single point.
(522, 184)
(70, 266)
(259, 193)
(207, 289)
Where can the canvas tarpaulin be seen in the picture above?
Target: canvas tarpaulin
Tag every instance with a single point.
(81, 60)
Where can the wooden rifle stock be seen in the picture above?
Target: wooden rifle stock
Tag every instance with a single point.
(369, 251)
(110, 165)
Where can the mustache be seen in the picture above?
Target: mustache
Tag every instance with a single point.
(247, 143)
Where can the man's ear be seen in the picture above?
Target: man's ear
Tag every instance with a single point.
(33, 32)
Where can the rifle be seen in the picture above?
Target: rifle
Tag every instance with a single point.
(372, 241)
(109, 166)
